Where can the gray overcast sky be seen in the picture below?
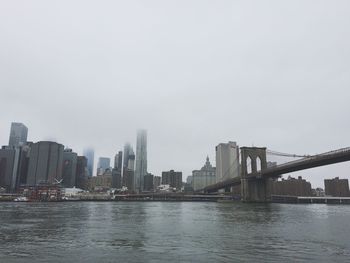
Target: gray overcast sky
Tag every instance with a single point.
(194, 73)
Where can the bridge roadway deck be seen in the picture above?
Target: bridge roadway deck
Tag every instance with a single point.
(338, 156)
(342, 155)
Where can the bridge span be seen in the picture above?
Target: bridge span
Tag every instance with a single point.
(256, 185)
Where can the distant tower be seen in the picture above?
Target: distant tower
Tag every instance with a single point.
(227, 161)
(131, 161)
(104, 163)
(141, 160)
(18, 134)
(127, 151)
(89, 154)
(69, 168)
(117, 170)
(128, 167)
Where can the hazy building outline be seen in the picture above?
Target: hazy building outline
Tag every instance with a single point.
(89, 153)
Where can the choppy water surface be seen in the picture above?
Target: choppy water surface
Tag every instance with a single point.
(173, 232)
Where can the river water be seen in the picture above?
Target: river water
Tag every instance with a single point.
(173, 232)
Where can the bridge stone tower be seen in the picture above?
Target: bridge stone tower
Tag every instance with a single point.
(253, 159)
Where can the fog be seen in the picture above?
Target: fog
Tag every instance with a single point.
(194, 73)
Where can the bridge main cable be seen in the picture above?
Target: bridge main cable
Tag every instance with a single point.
(275, 153)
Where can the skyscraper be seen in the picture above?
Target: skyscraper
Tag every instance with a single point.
(45, 163)
(129, 168)
(18, 134)
(227, 161)
(118, 160)
(69, 168)
(117, 170)
(89, 154)
(127, 152)
(131, 160)
(104, 163)
(148, 182)
(8, 167)
(141, 160)
(82, 173)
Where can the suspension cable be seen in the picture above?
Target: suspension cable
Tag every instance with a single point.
(271, 152)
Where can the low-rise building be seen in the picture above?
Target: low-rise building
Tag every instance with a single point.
(156, 181)
(337, 187)
(165, 188)
(319, 192)
(292, 187)
(99, 183)
(172, 178)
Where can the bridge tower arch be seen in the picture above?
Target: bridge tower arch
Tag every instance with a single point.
(257, 189)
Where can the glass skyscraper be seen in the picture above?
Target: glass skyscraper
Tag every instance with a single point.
(18, 134)
(141, 160)
(89, 154)
(104, 163)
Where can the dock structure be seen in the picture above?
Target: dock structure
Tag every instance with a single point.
(310, 199)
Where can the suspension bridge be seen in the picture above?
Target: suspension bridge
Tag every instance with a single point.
(255, 176)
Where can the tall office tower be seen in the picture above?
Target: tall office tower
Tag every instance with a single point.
(127, 151)
(69, 168)
(81, 177)
(117, 171)
(45, 163)
(104, 163)
(131, 161)
(141, 160)
(129, 171)
(89, 154)
(118, 160)
(128, 180)
(18, 134)
(116, 179)
(8, 167)
(23, 162)
(148, 182)
(13, 166)
(227, 161)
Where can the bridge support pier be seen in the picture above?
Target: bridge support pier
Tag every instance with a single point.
(257, 189)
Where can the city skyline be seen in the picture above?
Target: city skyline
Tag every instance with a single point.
(174, 131)
(233, 71)
(129, 148)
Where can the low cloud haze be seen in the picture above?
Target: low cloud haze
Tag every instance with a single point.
(193, 73)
